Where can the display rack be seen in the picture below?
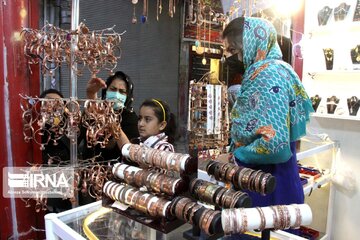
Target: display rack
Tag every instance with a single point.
(68, 225)
(319, 193)
(319, 154)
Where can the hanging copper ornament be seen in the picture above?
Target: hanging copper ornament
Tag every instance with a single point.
(134, 19)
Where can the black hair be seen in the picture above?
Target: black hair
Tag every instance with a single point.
(51, 90)
(129, 87)
(170, 129)
(234, 32)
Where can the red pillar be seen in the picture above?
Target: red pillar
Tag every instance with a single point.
(16, 220)
(298, 27)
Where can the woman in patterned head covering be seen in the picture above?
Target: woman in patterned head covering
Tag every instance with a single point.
(271, 109)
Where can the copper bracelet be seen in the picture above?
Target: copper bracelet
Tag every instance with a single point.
(152, 206)
(218, 197)
(244, 222)
(180, 207)
(287, 223)
(161, 205)
(264, 182)
(298, 220)
(204, 217)
(262, 219)
(140, 203)
(193, 212)
(209, 221)
(209, 193)
(187, 210)
(276, 222)
(229, 174)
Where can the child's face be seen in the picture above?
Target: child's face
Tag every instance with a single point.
(148, 123)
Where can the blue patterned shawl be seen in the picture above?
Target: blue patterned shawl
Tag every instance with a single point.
(272, 108)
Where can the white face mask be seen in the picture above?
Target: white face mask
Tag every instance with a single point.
(118, 98)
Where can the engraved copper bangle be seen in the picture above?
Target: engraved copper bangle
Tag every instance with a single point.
(152, 205)
(204, 217)
(209, 193)
(227, 198)
(263, 183)
(193, 212)
(137, 194)
(244, 183)
(244, 221)
(161, 205)
(240, 177)
(139, 177)
(168, 185)
(209, 221)
(115, 172)
(230, 173)
(218, 197)
(276, 221)
(257, 181)
(180, 207)
(140, 203)
(235, 198)
(187, 210)
(262, 219)
(222, 171)
(122, 194)
(200, 191)
(298, 216)
(281, 216)
(287, 216)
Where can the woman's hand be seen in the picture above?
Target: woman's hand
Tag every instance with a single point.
(93, 86)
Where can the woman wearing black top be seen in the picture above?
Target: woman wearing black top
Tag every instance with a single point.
(118, 86)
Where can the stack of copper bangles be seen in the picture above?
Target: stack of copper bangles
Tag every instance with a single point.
(101, 122)
(51, 47)
(215, 194)
(155, 181)
(56, 117)
(235, 220)
(185, 209)
(143, 202)
(158, 158)
(242, 178)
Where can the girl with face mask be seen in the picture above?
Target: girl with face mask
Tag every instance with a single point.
(118, 88)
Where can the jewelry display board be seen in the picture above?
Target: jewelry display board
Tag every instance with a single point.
(208, 117)
(331, 68)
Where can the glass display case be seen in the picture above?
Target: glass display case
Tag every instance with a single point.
(103, 223)
(92, 221)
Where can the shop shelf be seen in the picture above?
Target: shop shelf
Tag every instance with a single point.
(318, 183)
(328, 30)
(332, 116)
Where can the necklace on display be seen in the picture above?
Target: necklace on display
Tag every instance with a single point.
(329, 58)
(357, 12)
(353, 105)
(332, 103)
(341, 11)
(315, 101)
(324, 15)
(355, 55)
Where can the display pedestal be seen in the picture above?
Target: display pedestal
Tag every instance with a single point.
(159, 224)
(195, 234)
